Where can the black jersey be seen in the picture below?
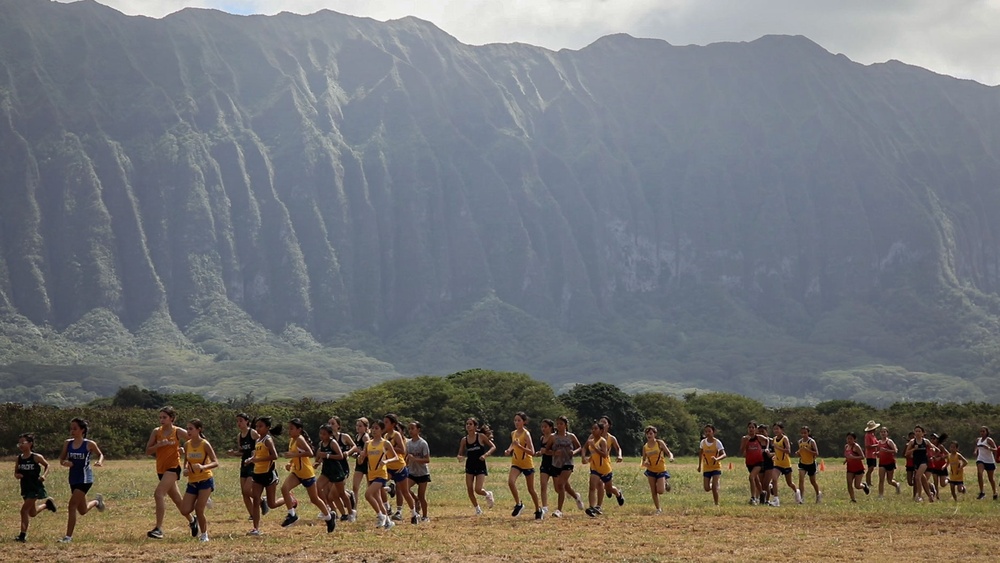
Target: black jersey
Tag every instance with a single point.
(247, 445)
(474, 461)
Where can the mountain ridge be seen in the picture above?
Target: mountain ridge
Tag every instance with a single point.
(383, 185)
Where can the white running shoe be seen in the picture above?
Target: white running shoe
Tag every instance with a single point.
(658, 512)
(489, 499)
(819, 498)
(557, 514)
(203, 537)
(479, 511)
(579, 501)
(798, 496)
(100, 502)
(66, 539)
(545, 512)
(254, 532)
(389, 523)
(775, 502)
(353, 516)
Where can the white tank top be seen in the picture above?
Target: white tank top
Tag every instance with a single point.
(983, 453)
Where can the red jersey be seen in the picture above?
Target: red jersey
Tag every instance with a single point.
(871, 445)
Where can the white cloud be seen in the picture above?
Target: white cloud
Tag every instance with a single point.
(957, 38)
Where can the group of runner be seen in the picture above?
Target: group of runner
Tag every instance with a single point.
(932, 463)
(389, 465)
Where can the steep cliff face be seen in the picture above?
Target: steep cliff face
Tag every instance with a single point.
(384, 181)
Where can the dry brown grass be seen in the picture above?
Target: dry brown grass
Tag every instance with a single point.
(691, 528)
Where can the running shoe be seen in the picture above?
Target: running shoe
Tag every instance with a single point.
(898, 488)
(264, 508)
(413, 519)
(545, 510)
(598, 509)
(254, 532)
(50, 504)
(331, 524)
(539, 515)
(425, 519)
(866, 488)
(819, 498)
(100, 502)
(798, 496)
(353, 516)
(517, 509)
(479, 511)
(658, 512)
(666, 485)
(397, 516)
(579, 501)
(392, 489)
(155, 533)
(621, 499)
(389, 523)
(557, 514)
(980, 496)
(289, 520)
(591, 512)
(203, 537)
(22, 537)
(345, 518)
(66, 539)
(193, 524)
(489, 499)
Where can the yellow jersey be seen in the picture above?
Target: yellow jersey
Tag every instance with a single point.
(260, 452)
(375, 450)
(167, 457)
(653, 454)
(709, 450)
(521, 458)
(302, 466)
(806, 453)
(197, 454)
(781, 458)
(400, 456)
(600, 463)
(956, 473)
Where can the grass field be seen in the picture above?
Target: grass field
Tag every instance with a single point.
(691, 528)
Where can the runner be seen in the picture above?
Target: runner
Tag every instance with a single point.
(887, 451)
(654, 459)
(246, 438)
(199, 462)
(565, 446)
(378, 453)
(30, 470)
(986, 450)
(956, 470)
(418, 458)
(782, 447)
(76, 455)
(300, 454)
(522, 462)
(265, 476)
(711, 452)
(854, 459)
(165, 443)
(808, 451)
(475, 447)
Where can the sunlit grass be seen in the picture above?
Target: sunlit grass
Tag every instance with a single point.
(691, 528)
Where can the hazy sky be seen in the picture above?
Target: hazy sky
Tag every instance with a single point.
(960, 38)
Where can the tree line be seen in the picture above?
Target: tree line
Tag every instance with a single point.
(121, 424)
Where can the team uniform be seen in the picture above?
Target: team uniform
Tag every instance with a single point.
(984, 455)
(546, 465)
(246, 443)
(919, 453)
(32, 486)
(419, 472)
(807, 456)
(376, 471)
(343, 463)
(710, 466)
(81, 474)
(600, 465)
(956, 473)
(855, 465)
(332, 469)
(198, 480)
(657, 467)
(754, 454)
(362, 441)
(887, 457)
(302, 466)
(168, 457)
(264, 473)
(782, 459)
(520, 458)
(474, 463)
(397, 468)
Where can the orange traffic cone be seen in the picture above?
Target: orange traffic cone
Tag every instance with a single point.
(730, 466)
(822, 465)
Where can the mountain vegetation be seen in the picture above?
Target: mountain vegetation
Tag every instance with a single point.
(305, 205)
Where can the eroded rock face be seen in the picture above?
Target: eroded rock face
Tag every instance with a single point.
(344, 175)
